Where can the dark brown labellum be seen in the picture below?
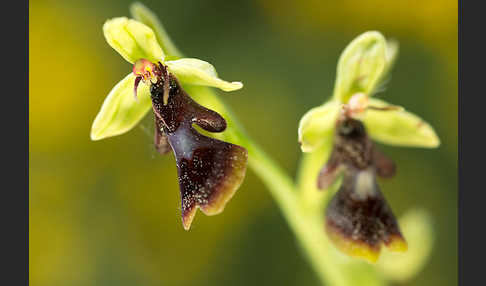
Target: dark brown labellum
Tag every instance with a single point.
(209, 170)
(358, 218)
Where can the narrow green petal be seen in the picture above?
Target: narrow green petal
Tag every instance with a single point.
(120, 111)
(317, 125)
(399, 127)
(132, 40)
(417, 229)
(145, 15)
(198, 72)
(361, 65)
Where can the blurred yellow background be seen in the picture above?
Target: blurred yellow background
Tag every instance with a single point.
(107, 212)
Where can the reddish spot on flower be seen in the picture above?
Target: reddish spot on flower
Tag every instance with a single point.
(145, 71)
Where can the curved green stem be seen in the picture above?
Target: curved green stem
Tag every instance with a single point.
(306, 228)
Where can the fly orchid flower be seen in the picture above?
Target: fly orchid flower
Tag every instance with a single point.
(209, 170)
(358, 219)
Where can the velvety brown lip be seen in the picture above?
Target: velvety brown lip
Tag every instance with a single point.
(358, 218)
(209, 177)
(209, 170)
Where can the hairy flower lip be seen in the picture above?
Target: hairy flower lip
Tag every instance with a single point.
(209, 176)
(209, 170)
(358, 218)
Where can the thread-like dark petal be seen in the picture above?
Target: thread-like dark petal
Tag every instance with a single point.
(135, 86)
(330, 171)
(385, 167)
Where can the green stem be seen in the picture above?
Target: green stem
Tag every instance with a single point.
(306, 229)
(278, 183)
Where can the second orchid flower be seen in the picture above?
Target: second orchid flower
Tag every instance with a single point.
(358, 219)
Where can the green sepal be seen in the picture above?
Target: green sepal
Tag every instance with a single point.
(317, 125)
(132, 40)
(143, 14)
(120, 111)
(398, 127)
(363, 64)
(198, 72)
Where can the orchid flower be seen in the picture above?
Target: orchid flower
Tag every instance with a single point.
(358, 219)
(209, 170)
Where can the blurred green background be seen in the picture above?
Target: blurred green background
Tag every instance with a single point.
(107, 212)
